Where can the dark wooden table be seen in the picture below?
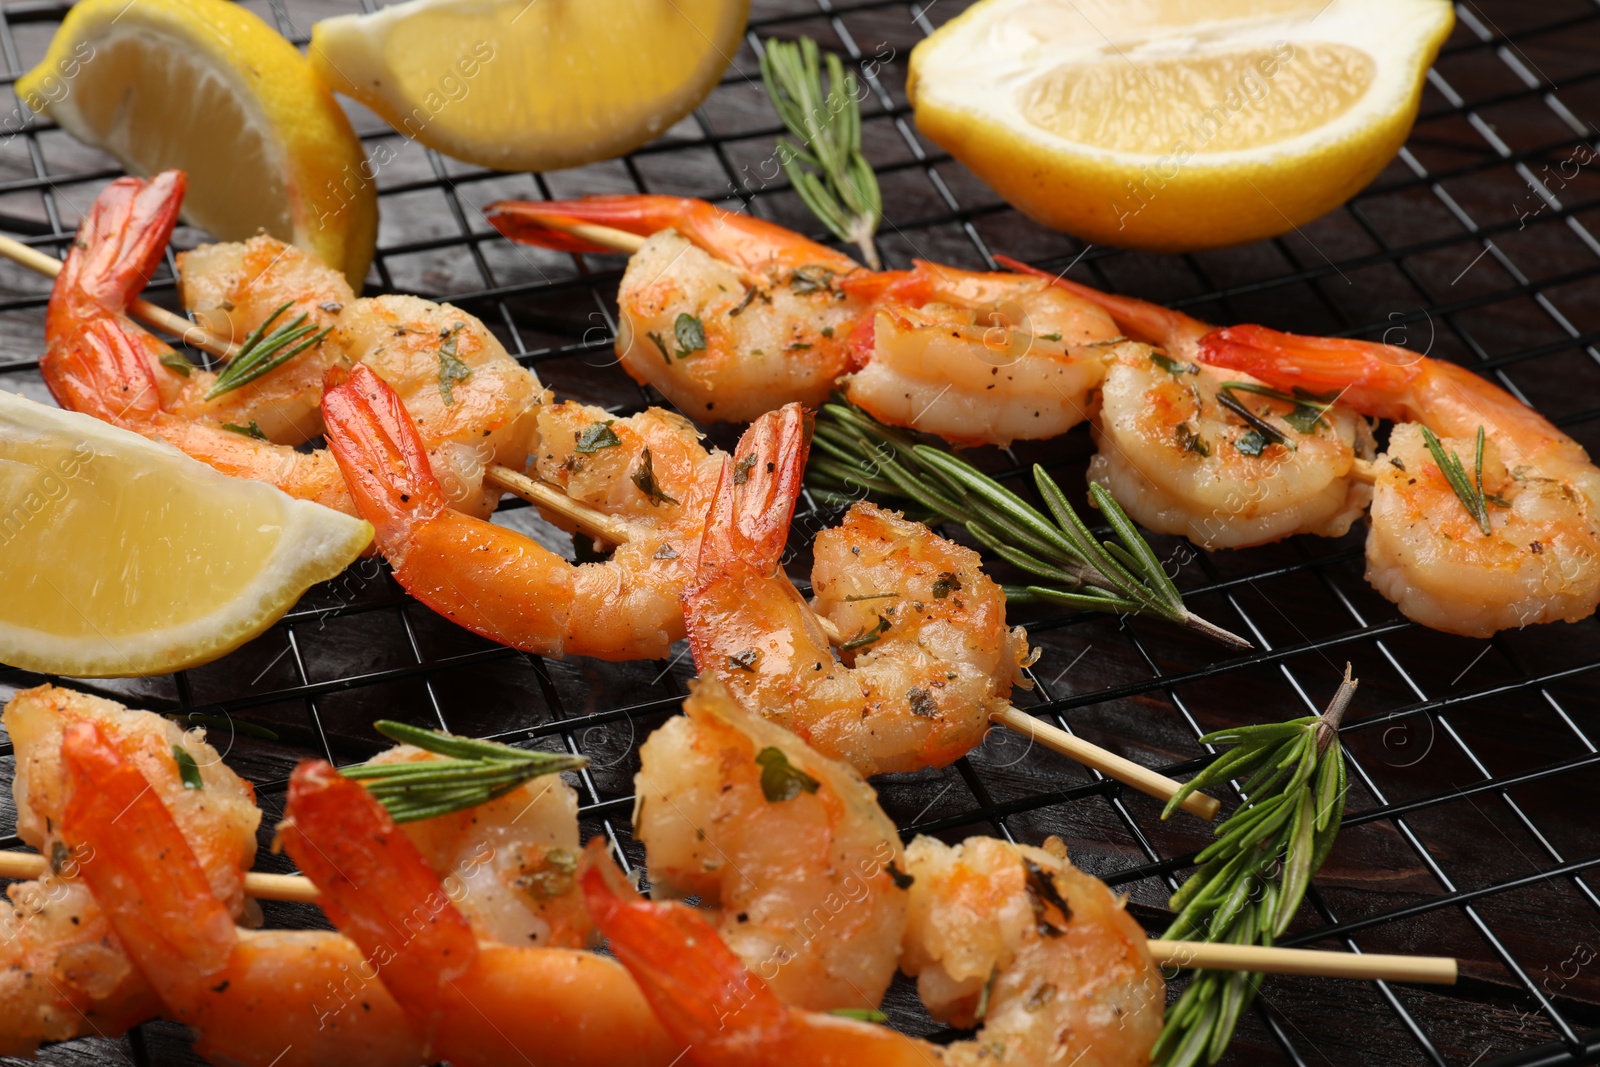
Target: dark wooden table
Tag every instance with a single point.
(1475, 780)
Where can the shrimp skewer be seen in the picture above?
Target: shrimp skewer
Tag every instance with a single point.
(473, 400)
(62, 972)
(789, 848)
(973, 357)
(1181, 457)
(470, 1001)
(1516, 542)
(1069, 974)
(253, 995)
(507, 587)
(928, 655)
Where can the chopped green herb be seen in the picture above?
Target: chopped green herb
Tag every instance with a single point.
(596, 436)
(745, 660)
(253, 430)
(554, 879)
(188, 770)
(1042, 893)
(1191, 441)
(263, 352)
(865, 1015)
(826, 331)
(865, 637)
(741, 469)
(1309, 408)
(810, 279)
(1251, 443)
(666, 353)
(451, 368)
(749, 295)
(1049, 336)
(1173, 366)
(945, 584)
(1470, 493)
(691, 335)
(780, 779)
(176, 363)
(1256, 422)
(645, 479)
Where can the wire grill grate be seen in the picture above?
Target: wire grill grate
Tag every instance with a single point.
(1473, 763)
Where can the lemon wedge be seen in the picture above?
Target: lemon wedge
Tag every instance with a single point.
(123, 556)
(524, 85)
(207, 87)
(1177, 124)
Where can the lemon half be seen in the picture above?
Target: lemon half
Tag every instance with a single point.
(1177, 124)
(207, 87)
(531, 84)
(123, 556)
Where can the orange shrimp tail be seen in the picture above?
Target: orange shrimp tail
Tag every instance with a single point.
(697, 987)
(378, 448)
(120, 243)
(1139, 319)
(377, 889)
(1372, 378)
(105, 369)
(748, 522)
(139, 866)
(752, 243)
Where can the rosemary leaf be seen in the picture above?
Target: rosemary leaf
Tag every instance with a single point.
(856, 454)
(827, 169)
(264, 352)
(474, 772)
(1470, 494)
(1251, 880)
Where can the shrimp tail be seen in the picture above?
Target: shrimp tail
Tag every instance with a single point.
(1372, 378)
(693, 982)
(377, 889)
(752, 243)
(139, 865)
(384, 460)
(1139, 319)
(749, 518)
(98, 362)
(120, 243)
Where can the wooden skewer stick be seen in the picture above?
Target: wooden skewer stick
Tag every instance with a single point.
(610, 236)
(615, 531)
(143, 310)
(1436, 970)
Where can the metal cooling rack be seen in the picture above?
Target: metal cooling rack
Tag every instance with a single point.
(1471, 828)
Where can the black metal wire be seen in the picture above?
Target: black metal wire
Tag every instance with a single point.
(338, 657)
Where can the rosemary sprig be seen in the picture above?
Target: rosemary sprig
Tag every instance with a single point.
(476, 772)
(853, 453)
(827, 168)
(264, 352)
(1253, 876)
(1469, 492)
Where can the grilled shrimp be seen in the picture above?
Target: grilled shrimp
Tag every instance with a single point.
(510, 864)
(473, 402)
(730, 316)
(976, 358)
(469, 1001)
(727, 315)
(1180, 457)
(789, 847)
(649, 470)
(62, 972)
(255, 996)
(927, 656)
(1073, 978)
(1042, 955)
(1515, 541)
